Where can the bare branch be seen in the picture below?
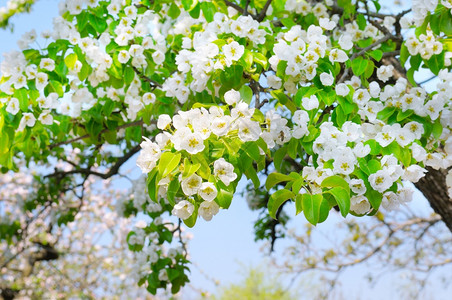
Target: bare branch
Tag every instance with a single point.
(70, 141)
(235, 6)
(153, 83)
(260, 17)
(87, 171)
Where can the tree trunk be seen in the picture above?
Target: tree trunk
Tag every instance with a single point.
(434, 188)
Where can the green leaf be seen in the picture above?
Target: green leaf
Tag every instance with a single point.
(251, 173)
(55, 86)
(437, 129)
(374, 197)
(410, 76)
(224, 198)
(342, 197)
(195, 12)
(436, 63)
(191, 221)
(152, 185)
(292, 148)
(22, 96)
(405, 156)
(288, 22)
(204, 170)
(312, 134)
(370, 69)
(415, 62)
(306, 91)
(252, 150)
(84, 72)
(260, 59)
(247, 58)
(339, 116)
(361, 21)
(375, 147)
(402, 115)
(284, 100)
(386, 113)
(231, 78)
(6, 160)
(246, 94)
(31, 54)
(279, 157)
(275, 178)
(434, 23)
(335, 181)
(167, 163)
(377, 4)
(174, 11)
(189, 168)
(299, 203)
(208, 10)
(6, 139)
(377, 54)
(446, 23)
(374, 165)
(82, 20)
(70, 60)
(311, 207)
(189, 4)
(277, 199)
(99, 24)
(404, 54)
(129, 74)
(173, 188)
(359, 66)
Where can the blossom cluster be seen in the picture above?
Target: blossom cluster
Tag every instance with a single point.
(11, 8)
(187, 84)
(426, 45)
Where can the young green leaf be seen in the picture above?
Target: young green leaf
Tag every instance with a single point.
(168, 162)
(277, 199)
(311, 207)
(275, 178)
(342, 198)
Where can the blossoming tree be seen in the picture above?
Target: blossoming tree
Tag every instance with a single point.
(315, 102)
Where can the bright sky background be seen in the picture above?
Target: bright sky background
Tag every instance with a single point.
(223, 247)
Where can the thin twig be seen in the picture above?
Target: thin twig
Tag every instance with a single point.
(153, 83)
(87, 171)
(70, 141)
(362, 52)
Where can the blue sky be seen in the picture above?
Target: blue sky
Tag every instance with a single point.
(223, 247)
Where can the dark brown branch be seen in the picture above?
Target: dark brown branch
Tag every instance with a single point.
(245, 10)
(256, 88)
(234, 6)
(153, 83)
(335, 9)
(434, 188)
(260, 17)
(87, 171)
(391, 54)
(273, 225)
(427, 80)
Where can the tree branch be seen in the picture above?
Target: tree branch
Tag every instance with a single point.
(70, 141)
(260, 17)
(153, 83)
(234, 6)
(87, 171)
(362, 52)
